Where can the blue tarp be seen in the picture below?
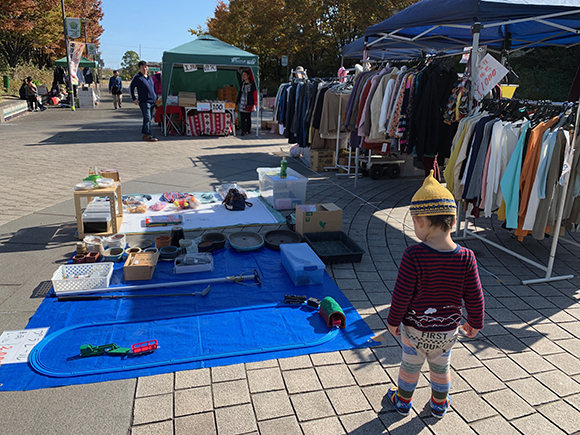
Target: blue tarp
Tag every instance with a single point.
(234, 323)
(509, 24)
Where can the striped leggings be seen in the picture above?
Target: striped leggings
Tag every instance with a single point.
(418, 346)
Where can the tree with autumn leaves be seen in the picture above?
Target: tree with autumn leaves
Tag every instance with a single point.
(32, 31)
(311, 32)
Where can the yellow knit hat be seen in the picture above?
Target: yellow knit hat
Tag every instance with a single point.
(433, 199)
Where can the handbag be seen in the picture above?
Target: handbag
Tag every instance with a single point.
(235, 201)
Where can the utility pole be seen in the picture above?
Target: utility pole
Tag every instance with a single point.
(139, 51)
(71, 97)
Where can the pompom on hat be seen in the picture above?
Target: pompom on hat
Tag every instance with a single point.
(433, 199)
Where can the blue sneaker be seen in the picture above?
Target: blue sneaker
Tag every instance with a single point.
(439, 411)
(400, 406)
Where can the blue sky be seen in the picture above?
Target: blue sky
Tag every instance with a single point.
(156, 25)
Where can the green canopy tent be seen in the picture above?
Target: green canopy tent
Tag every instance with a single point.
(229, 61)
(84, 63)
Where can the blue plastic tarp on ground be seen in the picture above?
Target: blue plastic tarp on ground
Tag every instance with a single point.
(234, 323)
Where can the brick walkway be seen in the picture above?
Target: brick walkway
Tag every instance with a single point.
(520, 375)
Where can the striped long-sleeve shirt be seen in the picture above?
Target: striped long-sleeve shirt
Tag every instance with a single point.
(431, 287)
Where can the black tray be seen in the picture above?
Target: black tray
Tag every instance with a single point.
(334, 247)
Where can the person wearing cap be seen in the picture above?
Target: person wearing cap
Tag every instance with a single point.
(300, 72)
(436, 277)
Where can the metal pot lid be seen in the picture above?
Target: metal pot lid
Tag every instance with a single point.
(246, 241)
(273, 239)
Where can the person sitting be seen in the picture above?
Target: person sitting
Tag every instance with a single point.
(34, 103)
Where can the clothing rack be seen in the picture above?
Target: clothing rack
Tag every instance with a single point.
(467, 234)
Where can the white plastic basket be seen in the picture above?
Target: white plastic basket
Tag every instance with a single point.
(76, 278)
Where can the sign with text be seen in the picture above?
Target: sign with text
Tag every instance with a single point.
(489, 74)
(15, 346)
(218, 106)
(284, 60)
(209, 68)
(189, 67)
(92, 49)
(75, 52)
(73, 27)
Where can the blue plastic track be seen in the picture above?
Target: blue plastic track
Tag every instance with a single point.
(35, 358)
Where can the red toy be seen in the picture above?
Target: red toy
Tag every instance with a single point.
(146, 346)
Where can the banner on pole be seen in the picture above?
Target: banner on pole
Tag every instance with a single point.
(92, 49)
(73, 27)
(75, 52)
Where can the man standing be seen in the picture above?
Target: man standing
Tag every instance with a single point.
(145, 99)
(116, 89)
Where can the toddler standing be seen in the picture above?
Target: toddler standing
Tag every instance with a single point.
(435, 278)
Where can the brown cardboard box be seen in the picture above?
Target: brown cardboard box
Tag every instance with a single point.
(315, 218)
(319, 159)
(140, 265)
(111, 173)
(187, 99)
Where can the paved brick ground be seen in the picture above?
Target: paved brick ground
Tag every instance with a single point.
(520, 375)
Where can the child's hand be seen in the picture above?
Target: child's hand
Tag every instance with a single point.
(469, 331)
(394, 330)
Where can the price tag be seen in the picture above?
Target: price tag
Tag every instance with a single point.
(209, 68)
(218, 107)
(16, 345)
(489, 74)
(189, 67)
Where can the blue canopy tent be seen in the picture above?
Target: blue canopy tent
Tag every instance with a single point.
(502, 25)
(389, 49)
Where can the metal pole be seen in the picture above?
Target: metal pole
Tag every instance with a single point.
(234, 278)
(476, 29)
(71, 97)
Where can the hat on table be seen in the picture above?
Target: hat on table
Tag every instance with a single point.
(433, 199)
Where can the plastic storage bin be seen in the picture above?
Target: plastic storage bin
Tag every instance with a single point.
(76, 278)
(334, 247)
(302, 264)
(282, 193)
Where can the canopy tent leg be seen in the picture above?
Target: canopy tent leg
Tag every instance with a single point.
(475, 30)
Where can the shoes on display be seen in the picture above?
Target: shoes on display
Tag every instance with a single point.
(150, 138)
(438, 411)
(400, 406)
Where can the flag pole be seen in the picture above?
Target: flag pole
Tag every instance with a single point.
(71, 97)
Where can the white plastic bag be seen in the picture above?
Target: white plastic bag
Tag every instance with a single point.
(295, 151)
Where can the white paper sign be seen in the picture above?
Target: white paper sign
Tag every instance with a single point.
(489, 74)
(73, 27)
(189, 67)
(218, 107)
(15, 346)
(209, 68)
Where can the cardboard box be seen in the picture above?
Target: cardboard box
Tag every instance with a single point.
(319, 159)
(315, 218)
(230, 105)
(187, 99)
(140, 265)
(111, 173)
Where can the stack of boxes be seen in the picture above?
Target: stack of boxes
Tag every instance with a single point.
(319, 159)
(187, 99)
(229, 94)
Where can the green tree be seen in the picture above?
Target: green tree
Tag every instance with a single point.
(129, 65)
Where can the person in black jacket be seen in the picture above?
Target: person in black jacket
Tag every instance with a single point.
(246, 102)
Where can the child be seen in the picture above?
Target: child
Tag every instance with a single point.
(433, 279)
